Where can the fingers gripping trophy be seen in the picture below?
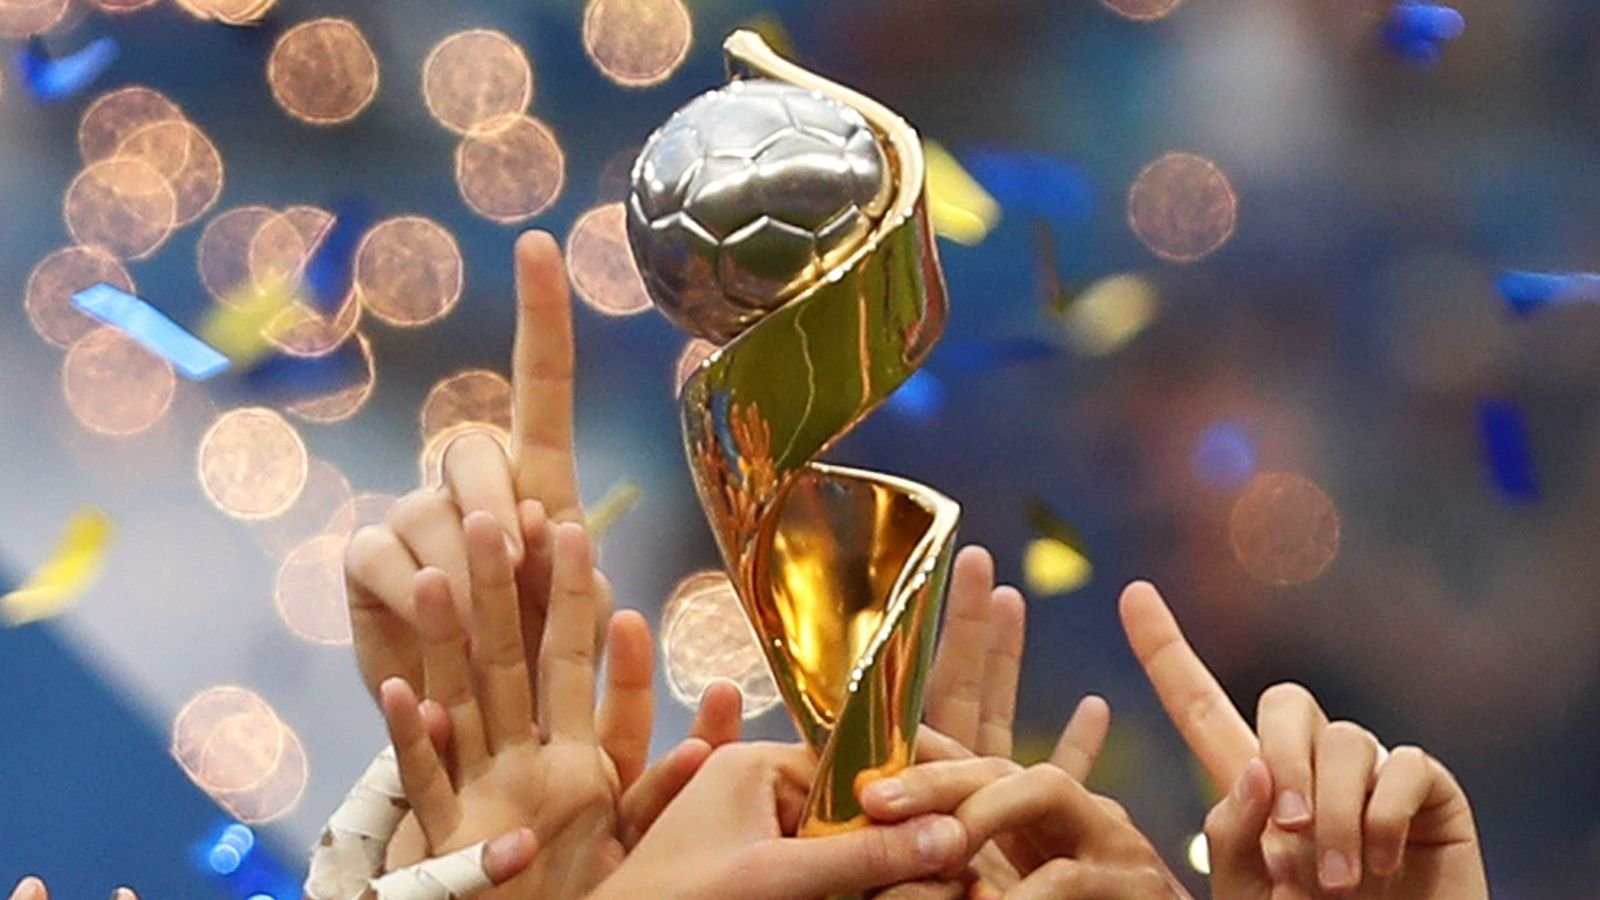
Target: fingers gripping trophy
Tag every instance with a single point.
(783, 218)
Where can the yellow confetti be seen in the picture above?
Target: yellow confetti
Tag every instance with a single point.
(1057, 561)
(618, 502)
(239, 329)
(962, 210)
(1053, 567)
(76, 563)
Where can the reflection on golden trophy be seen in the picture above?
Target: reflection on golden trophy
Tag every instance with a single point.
(783, 217)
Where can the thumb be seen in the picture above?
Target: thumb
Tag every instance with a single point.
(856, 861)
(1233, 836)
(462, 874)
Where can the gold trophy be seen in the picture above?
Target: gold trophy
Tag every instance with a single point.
(783, 218)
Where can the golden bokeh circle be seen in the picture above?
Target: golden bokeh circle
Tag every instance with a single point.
(430, 464)
(113, 385)
(252, 463)
(705, 637)
(303, 331)
(309, 591)
(20, 20)
(323, 71)
(695, 352)
(122, 6)
(283, 245)
(195, 725)
(229, 12)
(364, 509)
(223, 254)
(511, 169)
(186, 157)
(1182, 207)
(475, 77)
(1142, 10)
(318, 509)
(126, 207)
(241, 751)
(408, 271)
(113, 116)
(276, 795)
(473, 395)
(48, 296)
(345, 401)
(601, 265)
(637, 43)
(1284, 529)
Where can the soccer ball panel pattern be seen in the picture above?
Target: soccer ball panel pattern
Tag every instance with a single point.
(745, 195)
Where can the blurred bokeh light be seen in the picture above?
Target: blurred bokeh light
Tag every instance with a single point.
(705, 638)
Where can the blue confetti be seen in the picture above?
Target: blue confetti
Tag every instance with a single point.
(1034, 183)
(192, 357)
(1224, 456)
(50, 79)
(328, 273)
(920, 398)
(1416, 32)
(981, 356)
(280, 378)
(1530, 291)
(1504, 430)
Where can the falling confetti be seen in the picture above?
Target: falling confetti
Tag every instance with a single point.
(71, 569)
(189, 355)
(1224, 455)
(1109, 314)
(1417, 32)
(1055, 562)
(920, 398)
(962, 210)
(1503, 427)
(57, 78)
(611, 508)
(1528, 292)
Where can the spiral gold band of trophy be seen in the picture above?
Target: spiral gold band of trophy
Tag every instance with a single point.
(841, 571)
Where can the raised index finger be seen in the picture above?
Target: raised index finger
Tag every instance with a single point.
(541, 380)
(1192, 696)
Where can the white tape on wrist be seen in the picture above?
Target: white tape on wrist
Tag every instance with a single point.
(349, 858)
(456, 876)
(351, 851)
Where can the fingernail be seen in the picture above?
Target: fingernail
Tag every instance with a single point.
(30, 888)
(1381, 860)
(512, 549)
(1336, 870)
(122, 893)
(1291, 809)
(888, 792)
(940, 840)
(502, 856)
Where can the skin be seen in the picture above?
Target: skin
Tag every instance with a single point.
(516, 522)
(969, 730)
(1316, 807)
(724, 836)
(33, 888)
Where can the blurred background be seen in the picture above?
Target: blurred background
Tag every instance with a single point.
(1224, 315)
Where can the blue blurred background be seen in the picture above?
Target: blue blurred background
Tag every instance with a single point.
(1349, 333)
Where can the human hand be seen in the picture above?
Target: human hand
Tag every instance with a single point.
(538, 483)
(32, 887)
(562, 776)
(1347, 817)
(725, 836)
(1064, 841)
(972, 702)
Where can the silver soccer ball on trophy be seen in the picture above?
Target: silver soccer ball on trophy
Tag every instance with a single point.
(747, 194)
